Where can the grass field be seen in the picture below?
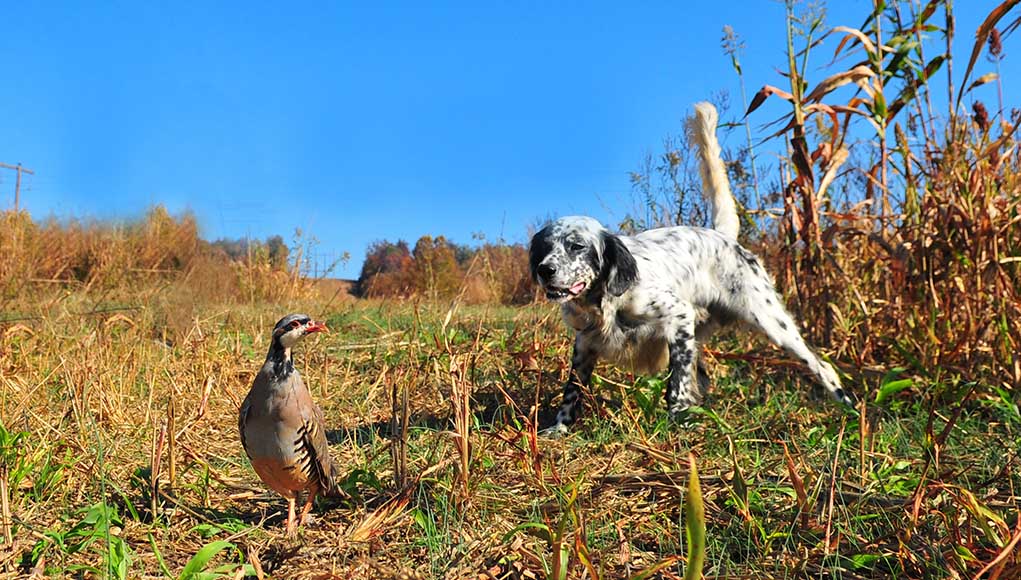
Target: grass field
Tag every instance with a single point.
(121, 455)
(892, 225)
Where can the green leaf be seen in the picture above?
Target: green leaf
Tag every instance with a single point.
(536, 529)
(694, 524)
(859, 561)
(965, 554)
(425, 521)
(655, 568)
(159, 557)
(201, 559)
(740, 486)
(207, 530)
(723, 425)
(933, 66)
(561, 565)
(891, 388)
(225, 571)
(117, 558)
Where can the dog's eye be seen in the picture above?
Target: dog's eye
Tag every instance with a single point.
(575, 247)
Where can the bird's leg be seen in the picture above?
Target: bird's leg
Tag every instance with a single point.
(308, 505)
(291, 524)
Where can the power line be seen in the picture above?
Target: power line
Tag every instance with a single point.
(17, 183)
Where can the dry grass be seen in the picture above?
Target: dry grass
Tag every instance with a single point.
(109, 258)
(919, 267)
(791, 486)
(125, 350)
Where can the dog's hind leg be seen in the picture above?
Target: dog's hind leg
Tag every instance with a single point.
(702, 379)
(704, 330)
(764, 312)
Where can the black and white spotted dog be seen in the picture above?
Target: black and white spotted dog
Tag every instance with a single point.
(648, 300)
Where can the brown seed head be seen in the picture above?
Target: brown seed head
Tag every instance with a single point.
(981, 115)
(995, 45)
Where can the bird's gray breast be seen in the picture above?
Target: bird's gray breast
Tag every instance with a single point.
(272, 425)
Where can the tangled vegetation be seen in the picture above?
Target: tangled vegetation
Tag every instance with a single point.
(893, 225)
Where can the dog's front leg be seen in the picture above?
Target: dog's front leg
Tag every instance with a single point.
(680, 393)
(583, 362)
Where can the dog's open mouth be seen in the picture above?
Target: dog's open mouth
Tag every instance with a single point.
(554, 293)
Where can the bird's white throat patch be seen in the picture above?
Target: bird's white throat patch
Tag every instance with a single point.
(289, 339)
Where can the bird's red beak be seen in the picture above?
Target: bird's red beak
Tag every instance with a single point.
(316, 327)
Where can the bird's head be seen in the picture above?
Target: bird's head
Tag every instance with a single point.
(293, 327)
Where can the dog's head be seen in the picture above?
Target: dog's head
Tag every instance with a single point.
(576, 255)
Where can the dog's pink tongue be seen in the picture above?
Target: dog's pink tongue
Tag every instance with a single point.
(577, 288)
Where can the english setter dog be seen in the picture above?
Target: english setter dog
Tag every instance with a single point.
(648, 300)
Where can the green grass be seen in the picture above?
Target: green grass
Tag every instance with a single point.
(90, 395)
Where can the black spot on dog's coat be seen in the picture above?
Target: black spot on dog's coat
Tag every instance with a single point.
(626, 322)
(722, 314)
(619, 266)
(540, 247)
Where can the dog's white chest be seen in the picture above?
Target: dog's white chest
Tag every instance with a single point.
(581, 319)
(620, 336)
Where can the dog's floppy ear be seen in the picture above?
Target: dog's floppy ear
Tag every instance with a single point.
(621, 268)
(538, 250)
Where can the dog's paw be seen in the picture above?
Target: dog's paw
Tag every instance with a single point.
(845, 397)
(683, 415)
(678, 410)
(555, 430)
(848, 402)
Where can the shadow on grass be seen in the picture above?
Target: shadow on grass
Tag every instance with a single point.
(491, 411)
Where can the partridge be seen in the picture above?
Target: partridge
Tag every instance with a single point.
(282, 429)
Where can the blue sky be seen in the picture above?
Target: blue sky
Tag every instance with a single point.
(364, 121)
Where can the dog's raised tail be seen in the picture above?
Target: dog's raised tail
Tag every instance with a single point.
(715, 184)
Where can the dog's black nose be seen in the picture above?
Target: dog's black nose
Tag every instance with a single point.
(545, 271)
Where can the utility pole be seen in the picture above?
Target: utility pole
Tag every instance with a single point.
(17, 182)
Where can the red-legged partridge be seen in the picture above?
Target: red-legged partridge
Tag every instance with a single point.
(282, 429)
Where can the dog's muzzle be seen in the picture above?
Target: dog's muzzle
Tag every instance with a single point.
(560, 294)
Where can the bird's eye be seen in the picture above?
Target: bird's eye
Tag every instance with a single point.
(295, 324)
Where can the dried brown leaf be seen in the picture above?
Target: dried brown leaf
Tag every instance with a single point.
(799, 486)
(828, 85)
(764, 93)
(982, 34)
(870, 48)
(984, 79)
